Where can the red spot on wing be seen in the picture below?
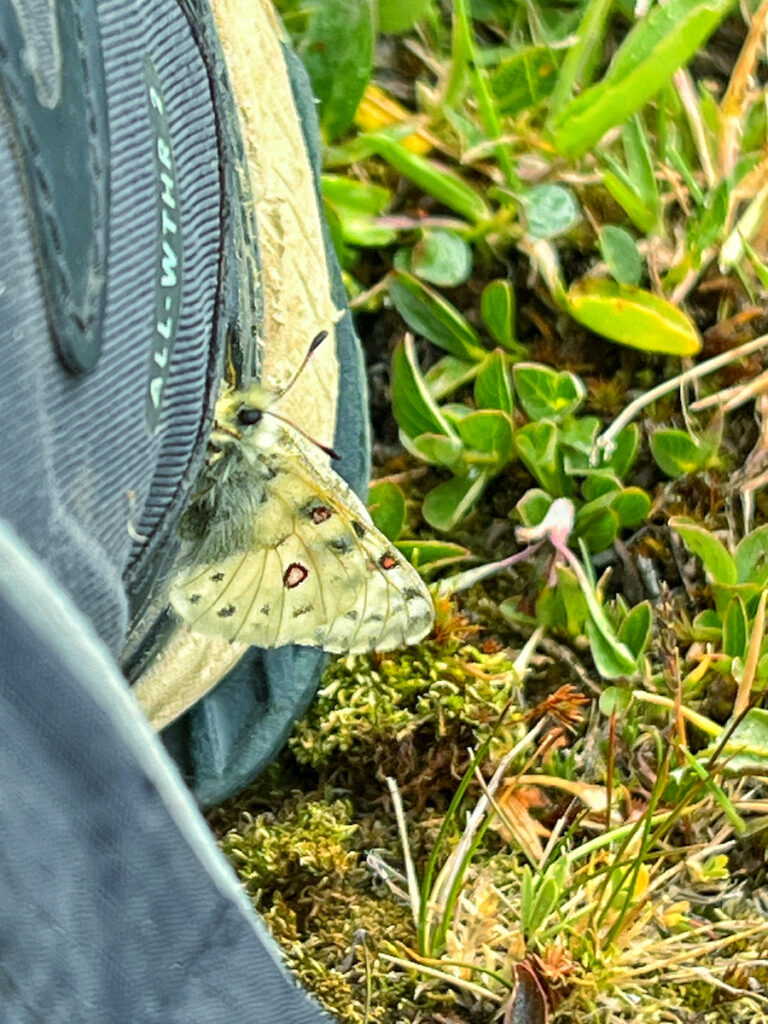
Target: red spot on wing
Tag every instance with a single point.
(320, 514)
(388, 561)
(295, 574)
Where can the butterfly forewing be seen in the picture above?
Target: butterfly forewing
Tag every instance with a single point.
(309, 567)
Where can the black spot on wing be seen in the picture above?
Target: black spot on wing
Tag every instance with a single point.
(217, 577)
(195, 598)
(358, 528)
(351, 615)
(227, 611)
(304, 610)
(341, 545)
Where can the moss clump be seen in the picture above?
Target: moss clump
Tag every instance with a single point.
(304, 867)
(416, 713)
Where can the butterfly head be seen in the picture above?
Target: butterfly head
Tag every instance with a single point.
(240, 412)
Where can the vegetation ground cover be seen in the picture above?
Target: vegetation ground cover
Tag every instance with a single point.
(551, 219)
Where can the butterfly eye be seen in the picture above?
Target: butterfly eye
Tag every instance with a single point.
(248, 417)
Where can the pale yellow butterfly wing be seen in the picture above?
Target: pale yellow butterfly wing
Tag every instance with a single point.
(287, 554)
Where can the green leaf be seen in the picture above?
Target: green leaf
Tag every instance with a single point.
(578, 436)
(356, 206)
(746, 750)
(635, 630)
(431, 316)
(628, 197)
(448, 375)
(442, 258)
(597, 527)
(719, 565)
(397, 16)
(615, 699)
(493, 388)
(632, 316)
(523, 80)
(585, 52)
(598, 484)
(550, 210)
(706, 227)
(707, 626)
(490, 432)
(612, 659)
(542, 895)
(735, 629)
(751, 557)
(337, 50)
(449, 502)
(622, 457)
(620, 252)
(412, 404)
(660, 43)
(641, 165)
(497, 308)
(677, 453)
(545, 393)
(436, 449)
(386, 503)
(631, 505)
(432, 178)
(533, 506)
(432, 554)
(537, 446)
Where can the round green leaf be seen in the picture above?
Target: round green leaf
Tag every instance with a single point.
(442, 258)
(550, 210)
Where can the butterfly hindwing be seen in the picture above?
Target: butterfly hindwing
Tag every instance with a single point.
(296, 558)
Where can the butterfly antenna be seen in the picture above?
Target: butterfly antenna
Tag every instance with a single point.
(316, 342)
(313, 345)
(323, 447)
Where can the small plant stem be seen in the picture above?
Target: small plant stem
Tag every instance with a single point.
(368, 981)
(682, 738)
(456, 865)
(608, 437)
(402, 829)
(423, 929)
(468, 578)
(576, 65)
(734, 103)
(455, 86)
(628, 912)
(616, 835)
(701, 949)
(705, 724)
(442, 962)
(469, 986)
(692, 106)
(609, 768)
(462, 26)
(744, 692)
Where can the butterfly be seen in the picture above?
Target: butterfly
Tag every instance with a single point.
(277, 549)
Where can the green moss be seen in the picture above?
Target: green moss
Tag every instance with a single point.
(396, 715)
(304, 868)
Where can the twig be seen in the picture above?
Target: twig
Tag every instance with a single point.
(607, 439)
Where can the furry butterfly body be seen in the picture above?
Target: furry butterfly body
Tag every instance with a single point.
(278, 550)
